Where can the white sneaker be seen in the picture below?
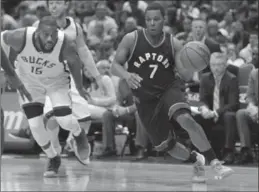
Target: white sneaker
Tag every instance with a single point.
(221, 170)
(199, 168)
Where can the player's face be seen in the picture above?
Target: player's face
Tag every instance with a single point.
(48, 36)
(57, 8)
(154, 22)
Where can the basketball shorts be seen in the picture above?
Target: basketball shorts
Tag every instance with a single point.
(56, 88)
(156, 115)
(79, 106)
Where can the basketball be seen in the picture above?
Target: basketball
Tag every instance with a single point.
(195, 56)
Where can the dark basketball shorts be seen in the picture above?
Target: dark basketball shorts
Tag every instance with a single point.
(156, 115)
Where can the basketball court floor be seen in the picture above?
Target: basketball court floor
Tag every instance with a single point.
(26, 174)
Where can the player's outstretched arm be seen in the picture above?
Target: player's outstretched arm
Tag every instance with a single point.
(85, 54)
(185, 74)
(15, 38)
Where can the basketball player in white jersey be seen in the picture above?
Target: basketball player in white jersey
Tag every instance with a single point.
(80, 110)
(45, 57)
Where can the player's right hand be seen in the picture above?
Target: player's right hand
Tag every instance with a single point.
(134, 80)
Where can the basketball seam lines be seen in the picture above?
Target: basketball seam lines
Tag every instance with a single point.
(189, 58)
(199, 54)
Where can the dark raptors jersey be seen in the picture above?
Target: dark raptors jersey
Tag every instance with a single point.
(155, 64)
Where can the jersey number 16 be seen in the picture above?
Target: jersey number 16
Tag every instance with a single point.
(36, 70)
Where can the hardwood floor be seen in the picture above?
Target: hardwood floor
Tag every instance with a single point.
(26, 174)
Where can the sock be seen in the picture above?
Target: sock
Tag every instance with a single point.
(69, 123)
(41, 136)
(179, 151)
(210, 155)
(49, 150)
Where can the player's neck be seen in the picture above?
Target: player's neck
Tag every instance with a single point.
(155, 39)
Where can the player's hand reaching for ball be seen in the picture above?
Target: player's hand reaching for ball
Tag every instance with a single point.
(133, 80)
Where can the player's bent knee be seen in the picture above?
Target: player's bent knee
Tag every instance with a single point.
(33, 110)
(62, 111)
(179, 109)
(166, 145)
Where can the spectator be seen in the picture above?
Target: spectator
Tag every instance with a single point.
(219, 106)
(227, 22)
(106, 50)
(247, 119)
(222, 38)
(241, 37)
(199, 34)
(109, 24)
(182, 36)
(251, 24)
(136, 8)
(205, 11)
(95, 39)
(212, 29)
(123, 112)
(25, 18)
(246, 53)
(7, 21)
(233, 57)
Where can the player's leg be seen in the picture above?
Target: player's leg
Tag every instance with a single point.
(61, 102)
(52, 125)
(160, 133)
(34, 113)
(179, 111)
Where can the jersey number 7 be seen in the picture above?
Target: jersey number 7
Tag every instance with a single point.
(154, 69)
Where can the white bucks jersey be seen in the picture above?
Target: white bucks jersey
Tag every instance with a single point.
(38, 64)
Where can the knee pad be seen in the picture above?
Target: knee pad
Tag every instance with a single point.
(62, 111)
(33, 110)
(178, 109)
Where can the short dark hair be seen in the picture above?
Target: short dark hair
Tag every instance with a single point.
(49, 21)
(156, 6)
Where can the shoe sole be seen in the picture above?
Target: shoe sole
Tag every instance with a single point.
(225, 175)
(50, 174)
(83, 162)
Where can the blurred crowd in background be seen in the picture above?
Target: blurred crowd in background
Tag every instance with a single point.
(230, 27)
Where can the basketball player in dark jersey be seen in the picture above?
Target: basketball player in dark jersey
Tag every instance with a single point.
(153, 59)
